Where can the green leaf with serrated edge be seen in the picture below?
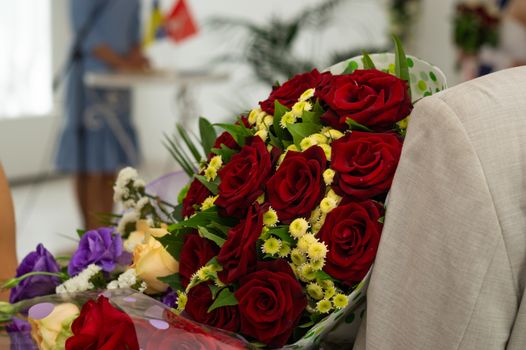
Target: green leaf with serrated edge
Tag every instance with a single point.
(401, 67)
(322, 275)
(224, 298)
(173, 243)
(174, 281)
(208, 134)
(225, 153)
(301, 130)
(80, 232)
(212, 186)
(203, 232)
(354, 125)
(279, 111)
(189, 143)
(283, 234)
(367, 61)
(238, 131)
(214, 290)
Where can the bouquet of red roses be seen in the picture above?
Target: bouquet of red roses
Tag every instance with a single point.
(281, 222)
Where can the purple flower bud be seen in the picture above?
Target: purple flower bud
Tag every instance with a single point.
(102, 247)
(40, 260)
(170, 298)
(20, 335)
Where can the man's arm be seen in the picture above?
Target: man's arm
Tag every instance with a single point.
(8, 261)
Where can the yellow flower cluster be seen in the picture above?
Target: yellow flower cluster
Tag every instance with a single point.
(208, 202)
(182, 299)
(212, 168)
(205, 273)
(324, 293)
(328, 203)
(262, 122)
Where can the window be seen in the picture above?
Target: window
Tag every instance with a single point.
(25, 58)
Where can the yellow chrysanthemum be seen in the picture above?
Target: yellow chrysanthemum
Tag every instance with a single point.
(292, 148)
(317, 251)
(306, 143)
(333, 134)
(270, 218)
(318, 264)
(261, 199)
(326, 284)
(329, 292)
(315, 215)
(182, 299)
(327, 204)
(340, 301)
(305, 241)
(299, 107)
(263, 134)
(327, 150)
(307, 94)
(298, 257)
(287, 119)
(271, 246)
(216, 162)
(323, 306)
(318, 138)
(333, 195)
(328, 176)
(208, 202)
(315, 291)
(298, 227)
(284, 251)
(252, 117)
(307, 272)
(210, 173)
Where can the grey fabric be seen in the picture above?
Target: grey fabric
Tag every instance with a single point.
(451, 266)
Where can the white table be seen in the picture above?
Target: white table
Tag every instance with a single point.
(182, 80)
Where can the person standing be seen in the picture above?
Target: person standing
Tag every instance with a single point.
(98, 137)
(8, 261)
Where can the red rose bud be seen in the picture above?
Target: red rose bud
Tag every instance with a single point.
(238, 255)
(297, 187)
(196, 194)
(243, 178)
(101, 326)
(352, 234)
(365, 163)
(271, 302)
(370, 97)
(196, 252)
(288, 93)
(200, 299)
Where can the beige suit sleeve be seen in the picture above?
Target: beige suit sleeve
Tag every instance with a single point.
(441, 256)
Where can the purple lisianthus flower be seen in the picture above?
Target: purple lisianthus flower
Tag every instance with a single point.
(170, 298)
(102, 247)
(40, 260)
(20, 335)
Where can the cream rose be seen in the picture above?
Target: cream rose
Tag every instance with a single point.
(151, 260)
(52, 331)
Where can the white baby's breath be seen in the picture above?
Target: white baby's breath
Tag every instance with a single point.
(80, 282)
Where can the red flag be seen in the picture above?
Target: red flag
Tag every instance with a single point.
(180, 23)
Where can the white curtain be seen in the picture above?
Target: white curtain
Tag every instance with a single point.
(25, 58)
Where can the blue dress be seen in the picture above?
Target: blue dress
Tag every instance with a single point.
(98, 135)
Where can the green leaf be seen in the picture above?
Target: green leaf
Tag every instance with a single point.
(307, 325)
(173, 243)
(238, 131)
(314, 115)
(204, 218)
(182, 194)
(301, 130)
(208, 135)
(174, 281)
(275, 141)
(213, 186)
(401, 68)
(279, 111)
(223, 228)
(367, 61)
(203, 232)
(283, 233)
(189, 143)
(225, 298)
(177, 213)
(322, 275)
(381, 220)
(225, 152)
(80, 232)
(351, 67)
(214, 290)
(353, 125)
(179, 155)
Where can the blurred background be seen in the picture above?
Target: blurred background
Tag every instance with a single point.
(216, 59)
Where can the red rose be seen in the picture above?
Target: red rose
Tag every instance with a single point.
(200, 299)
(370, 97)
(238, 254)
(351, 233)
(297, 186)
(196, 252)
(288, 93)
(101, 326)
(224, 139)
(365, 163)
(243, 178)
(271, 302)
(197, 193)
